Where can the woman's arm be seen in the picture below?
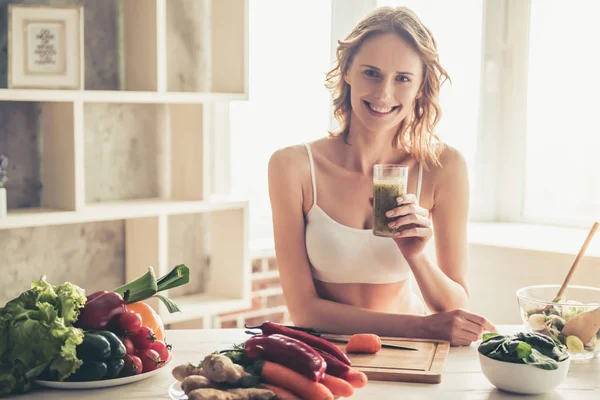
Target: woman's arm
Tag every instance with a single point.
(444, 286)
(460, 327)
(305, 307)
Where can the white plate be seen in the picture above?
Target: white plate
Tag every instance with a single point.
(103, 383)
(176, 393)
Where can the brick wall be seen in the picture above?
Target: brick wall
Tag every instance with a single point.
(267, 298)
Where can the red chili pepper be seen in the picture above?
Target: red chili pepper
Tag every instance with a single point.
(334, 366)
(99, 309)
(288, 352)
(270, 328)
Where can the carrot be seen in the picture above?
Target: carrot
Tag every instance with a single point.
(301, 386)
(363, 343)
(281, 393)
(338, 386)
(357, 379)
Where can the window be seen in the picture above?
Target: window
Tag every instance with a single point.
(521, 107)
(563, 135)
(459, 45)
(288, 104)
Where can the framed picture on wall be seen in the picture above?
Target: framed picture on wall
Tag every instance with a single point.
(45, 47)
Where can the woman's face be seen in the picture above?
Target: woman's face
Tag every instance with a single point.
(384, 78)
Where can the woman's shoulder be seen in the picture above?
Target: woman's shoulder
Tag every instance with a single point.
(296, 155)
(451, 161)
(289, 156)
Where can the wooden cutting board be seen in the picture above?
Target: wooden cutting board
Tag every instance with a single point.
(425, 365)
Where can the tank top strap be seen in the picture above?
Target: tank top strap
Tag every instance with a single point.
(312, 173)
(419, 182)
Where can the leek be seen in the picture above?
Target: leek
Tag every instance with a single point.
(142, 288)
(147, 286)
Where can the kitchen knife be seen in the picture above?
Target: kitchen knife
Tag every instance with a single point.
(386, 345)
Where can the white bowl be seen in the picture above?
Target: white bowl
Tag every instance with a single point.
(523, 378)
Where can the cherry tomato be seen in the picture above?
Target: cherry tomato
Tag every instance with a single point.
(129, 347)
(161, 348)
(130, 322)
(133, 365)
(149, 318)
(150, 359)
(143, 338)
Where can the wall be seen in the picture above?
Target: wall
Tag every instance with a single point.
(496, 273)
(267, 298)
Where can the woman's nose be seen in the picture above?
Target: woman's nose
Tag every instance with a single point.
(385, 90)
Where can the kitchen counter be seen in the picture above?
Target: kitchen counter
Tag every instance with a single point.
(462, 378)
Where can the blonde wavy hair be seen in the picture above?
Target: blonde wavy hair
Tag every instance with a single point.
(416, 133)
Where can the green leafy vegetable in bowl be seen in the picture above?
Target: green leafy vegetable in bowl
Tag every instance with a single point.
(534, 349)
(37, 333)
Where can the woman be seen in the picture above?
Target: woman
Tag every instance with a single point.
(335, 274)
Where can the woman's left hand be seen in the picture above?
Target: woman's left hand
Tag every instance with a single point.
(413, 224)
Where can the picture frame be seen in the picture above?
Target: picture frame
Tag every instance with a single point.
(45, 47)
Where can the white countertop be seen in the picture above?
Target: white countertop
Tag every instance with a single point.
(462, 378)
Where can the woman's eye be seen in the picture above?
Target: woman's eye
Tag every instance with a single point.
(402, 78)
(371, 73)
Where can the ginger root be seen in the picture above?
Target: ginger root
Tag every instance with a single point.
(181, 372)
(212, 394)
(220, 368)
(193, 382)
(254, 394)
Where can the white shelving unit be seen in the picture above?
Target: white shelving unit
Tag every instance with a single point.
(147, 60)
(116, 96)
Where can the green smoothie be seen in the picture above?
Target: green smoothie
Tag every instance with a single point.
(385, 193)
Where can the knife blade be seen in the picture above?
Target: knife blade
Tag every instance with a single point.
(386, 345)
(334, 339)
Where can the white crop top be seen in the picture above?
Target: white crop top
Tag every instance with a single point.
(342, 254)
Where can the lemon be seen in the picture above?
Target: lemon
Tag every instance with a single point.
(574, 344)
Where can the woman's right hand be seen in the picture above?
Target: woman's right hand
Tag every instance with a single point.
(460, 327)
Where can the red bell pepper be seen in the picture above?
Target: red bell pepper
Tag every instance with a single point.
(99, 309)
(289, 352)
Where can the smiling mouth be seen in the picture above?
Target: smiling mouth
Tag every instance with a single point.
(381, 110)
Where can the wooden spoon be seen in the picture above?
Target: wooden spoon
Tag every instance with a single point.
(585, 325)
(576, 262)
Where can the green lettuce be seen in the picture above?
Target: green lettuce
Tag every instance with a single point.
(37, 335)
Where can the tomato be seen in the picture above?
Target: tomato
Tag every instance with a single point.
(129, 347)
(149, 318)
(150, 359)
(130, 322)
(133, 365)
(161, 348)
(143, 338)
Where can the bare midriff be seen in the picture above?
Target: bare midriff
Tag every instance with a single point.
(394, 297)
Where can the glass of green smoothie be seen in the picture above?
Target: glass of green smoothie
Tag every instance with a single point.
(389, 182)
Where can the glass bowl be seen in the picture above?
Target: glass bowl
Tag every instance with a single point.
(540, 314)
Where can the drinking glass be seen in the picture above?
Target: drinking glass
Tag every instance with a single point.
(389, 182)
